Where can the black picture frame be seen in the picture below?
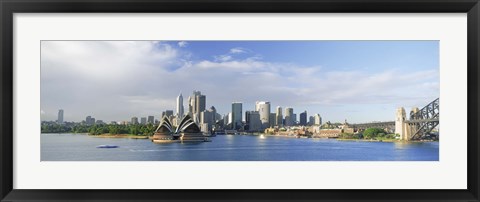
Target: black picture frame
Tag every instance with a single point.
(9, 7)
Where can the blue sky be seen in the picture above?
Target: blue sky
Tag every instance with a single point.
(360, 81)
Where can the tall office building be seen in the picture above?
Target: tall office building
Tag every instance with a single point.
(311, 120)
(279, 117)
(225, 120)
(60, 116)
(134, 120)
(214, 112)
(289, 116)
(236, 115)
(201, 101)
(303, 118)
(151, 120)
(89, 120)
(197, 103)
(180, 111)
(192, 104)
(272, 120)
(264, 109)
(229, 120)
(143, 120)
(252, 119)
(206, 120)
(318, 120)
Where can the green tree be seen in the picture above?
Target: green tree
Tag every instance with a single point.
(372, 133)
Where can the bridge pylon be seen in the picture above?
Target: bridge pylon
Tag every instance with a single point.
(421, 122)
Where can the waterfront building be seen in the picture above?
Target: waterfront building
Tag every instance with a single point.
(230, 118)
(206, 119)
(279, 117)
(225, 120)
(303, 118)
(236, 115)
(294, 119)
(272, 120)
(180, 111)
(143, 120)
(187, 131)
(318, 120)
(151, 119)
(134, 120)
(263, 108)
(252, 119)
(60, 116)
(289, 116)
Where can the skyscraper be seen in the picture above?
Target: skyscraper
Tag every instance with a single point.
(200, 101)
(214, 111)
(151, 119)
(143, 120)
(134, 120)
(60, 116)
(303, 118)
(206, 120)
(253, 121)
(279, 117)
(180, 111)
(192, 104)
(236, 115)
(89, 120)
(272, 120)
(289, 116)
(196, 105)
(264, 109)
(311, 120)
(318, 119)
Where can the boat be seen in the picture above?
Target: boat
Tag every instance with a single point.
(107, 146)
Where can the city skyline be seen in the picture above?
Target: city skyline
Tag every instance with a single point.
(143, 78)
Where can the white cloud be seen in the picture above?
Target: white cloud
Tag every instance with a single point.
(182, 44)
(238, 50)
(223, 58)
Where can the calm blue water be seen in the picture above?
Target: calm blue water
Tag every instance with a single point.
(79, 147)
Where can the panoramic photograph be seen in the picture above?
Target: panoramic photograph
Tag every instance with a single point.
(240, 100)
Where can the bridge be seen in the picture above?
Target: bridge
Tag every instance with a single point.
(419, 126)
(422, 122)
(388, 126)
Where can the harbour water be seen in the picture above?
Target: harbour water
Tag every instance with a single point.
(81, 147)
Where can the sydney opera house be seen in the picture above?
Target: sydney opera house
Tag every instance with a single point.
(186, 131)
